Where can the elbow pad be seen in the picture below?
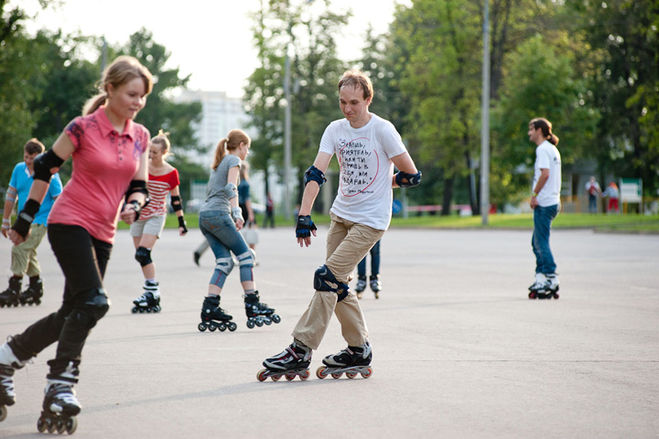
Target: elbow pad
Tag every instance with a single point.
(314, 174)
(45, 165)
(230, 191)
(176, 203)
(403, 179)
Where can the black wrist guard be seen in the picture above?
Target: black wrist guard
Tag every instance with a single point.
(403, 179)
(25, 217)
(181, 223)
(176, 203)
(304, 226)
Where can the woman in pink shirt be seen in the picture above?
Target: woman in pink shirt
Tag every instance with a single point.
(108, 182)
(163, 180)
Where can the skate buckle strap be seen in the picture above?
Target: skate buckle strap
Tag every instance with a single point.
(293, 353)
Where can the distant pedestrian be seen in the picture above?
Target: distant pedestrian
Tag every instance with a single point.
(269, 212)
(374, 280)
(593, 189)
(24, 256)
(546, 203)
(613, 193)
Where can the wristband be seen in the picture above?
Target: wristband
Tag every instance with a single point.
(236, 214)
(534, 194)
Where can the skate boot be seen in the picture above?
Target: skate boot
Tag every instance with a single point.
(376, 285)
(258, 313)
(541, 288)
(60, 405)
(213, 317)
(33, 293)
(149, 301)
(11, 296)
(8, 363)
(291, 362)
(195, 257)
(353, 360)
(553, 286)
(361, 286)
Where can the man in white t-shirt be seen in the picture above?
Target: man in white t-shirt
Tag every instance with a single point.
(367, 148)
(545, 202)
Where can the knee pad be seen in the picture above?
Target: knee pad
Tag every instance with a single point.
(89, 308)
(246, 259)
(143, 256)
(225, 265)
(324, 280)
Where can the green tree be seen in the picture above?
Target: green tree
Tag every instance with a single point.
(623, 37)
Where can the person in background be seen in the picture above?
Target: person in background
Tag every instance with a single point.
(374, 280)
(593, 189)
(613, 193)
(24, 256)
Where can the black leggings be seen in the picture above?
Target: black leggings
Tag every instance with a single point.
(83, 260)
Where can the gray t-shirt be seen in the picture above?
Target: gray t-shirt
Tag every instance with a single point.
(216, 197)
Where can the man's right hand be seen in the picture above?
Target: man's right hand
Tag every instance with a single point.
(304, 229)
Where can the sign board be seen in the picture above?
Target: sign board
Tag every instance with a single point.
(631, 190)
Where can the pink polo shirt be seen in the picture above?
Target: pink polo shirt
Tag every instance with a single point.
(104, 163)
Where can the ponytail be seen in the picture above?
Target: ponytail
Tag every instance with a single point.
(93, 103)
(220, 152)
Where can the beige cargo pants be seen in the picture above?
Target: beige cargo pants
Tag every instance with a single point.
(347, 244)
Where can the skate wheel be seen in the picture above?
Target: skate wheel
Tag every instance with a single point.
(367, 373)
(148, 310)
(304, 375)
(71, 425)
(157, 308)
(532, 295)
(60, 426)
(321, 372)
(3, 413)
(41, 425)
(290, 376)
(201, 327)
(134, 310)
(336, 376)
(377, 295)
(222, 327)
(250, 324)
(275, 318)
(556, 296)
(232, 326)
(259, 323)
(351, 375)
(275, 377)
(261, 375)
(267, 322)
(50, 425)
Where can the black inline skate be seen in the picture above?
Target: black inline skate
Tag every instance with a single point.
(259, 313)
(60, 405)
(34, 292)
(11, 296)
(149, 301)
(213, 317)
(544, 287)
(376, 285)
(353, 360)
(360, 286)
(8, 363)
(291, 362)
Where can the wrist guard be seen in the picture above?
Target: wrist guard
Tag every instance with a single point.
(181, 223)
(403, 179)
(304, 226)
(237, 214)
(25, 217)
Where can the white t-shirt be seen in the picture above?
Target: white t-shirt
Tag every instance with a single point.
(548, 157)
(365, 193)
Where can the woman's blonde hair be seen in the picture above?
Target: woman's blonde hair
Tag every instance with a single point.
(122, 70)
(162, 139)
(231, 142)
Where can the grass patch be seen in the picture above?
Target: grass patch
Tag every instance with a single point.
(630, 223)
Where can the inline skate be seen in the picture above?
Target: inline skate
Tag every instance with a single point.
(8, 363)
(213, 317)
(259, 313)
(149, 301)
(544, 287)
(360, 286)
(11, 296)
(376, 285)
(33, 293)
(353, 360)
(291, 362)
(60, 407)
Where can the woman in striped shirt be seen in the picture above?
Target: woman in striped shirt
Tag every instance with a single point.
(163, 179)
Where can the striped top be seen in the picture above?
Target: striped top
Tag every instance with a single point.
(159, 186)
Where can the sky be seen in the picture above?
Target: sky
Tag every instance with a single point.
(209, 39)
